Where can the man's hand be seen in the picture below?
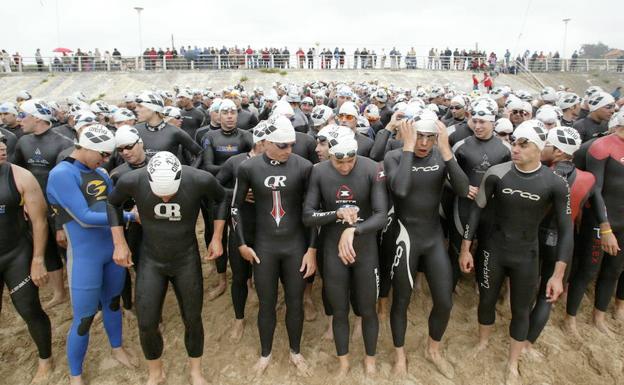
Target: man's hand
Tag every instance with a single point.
(472, 192)
(466, 262)
(135, 212)
(38, 272)
(122, 255)
(408, 135)
(395, 121)
(348, 215)
(249, 254)
(215, 250)
(345, 246)
(308, 263)
(609, 243)
(554, 288)
(61, 238)
(249, 198)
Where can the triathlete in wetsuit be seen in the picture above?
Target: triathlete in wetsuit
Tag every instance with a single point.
(167, 196)
(158, 135)
(521, 192)
(37, 152)
(416, 175)
(279, 180)
(347, 199)
(77, 190)
(22, 267)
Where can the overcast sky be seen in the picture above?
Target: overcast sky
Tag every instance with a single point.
(493, 24)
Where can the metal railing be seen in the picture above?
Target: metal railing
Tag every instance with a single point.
(279, 62)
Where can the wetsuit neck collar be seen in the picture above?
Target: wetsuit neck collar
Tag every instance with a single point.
(229, 132)
(530, 171)
(272, 162)
(158, 127)
(77, 163)
(140, 164)
(564, 168)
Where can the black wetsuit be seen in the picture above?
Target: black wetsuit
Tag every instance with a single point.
(582, 190)
(521, 201)
(219, 146)
(305, 147)
(589, 128)
(169, 252)
(166, 137)
(364, 144)
(11, 141)
(241, 268)
(475, 157)
(416, 186)
(364, 187)
(280, 239)
(66, 131)
(15, 130)
(246, 120)
(15, 259)
(133, 230)
(199, 134)
(38, 154)
(192, 120)
(385, 141)
(458, 132)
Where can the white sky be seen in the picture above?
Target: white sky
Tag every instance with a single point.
(494, 25)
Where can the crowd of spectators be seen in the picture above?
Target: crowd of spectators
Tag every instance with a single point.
(311, 58)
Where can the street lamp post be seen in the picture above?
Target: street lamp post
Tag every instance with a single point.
(565, 36)
(139, 9)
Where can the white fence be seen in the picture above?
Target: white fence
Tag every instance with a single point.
(278, 63)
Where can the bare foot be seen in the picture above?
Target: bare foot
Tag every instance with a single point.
(512, 376)
(156, 379)
(357, 329)
(57, 299)
(343, 368)
(301, 364)
(197, 379)
(602, 327)
(217, 291)
(400, 368)
(309, 310)
(443, 366)
(619, 310)
(125, 357)
(370, 368)
(532, 354)
(237, 330)
(44, 368)
(76, 380)
(569, 327)
(261, 365)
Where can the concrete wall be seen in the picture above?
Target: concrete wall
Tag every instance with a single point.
(110, 86)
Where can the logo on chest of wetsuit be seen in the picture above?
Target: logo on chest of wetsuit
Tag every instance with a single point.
(169, 211)
(426, 169)
(96, 188)
(344, 193)
(522, 194)
(275, 181)
(2, 209)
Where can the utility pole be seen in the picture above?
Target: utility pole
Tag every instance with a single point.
(565, 37)
(139, 9)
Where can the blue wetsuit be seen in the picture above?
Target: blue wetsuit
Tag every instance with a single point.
(78, 197)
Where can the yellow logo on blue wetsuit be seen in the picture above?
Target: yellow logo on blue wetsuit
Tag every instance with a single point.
(96, 188)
